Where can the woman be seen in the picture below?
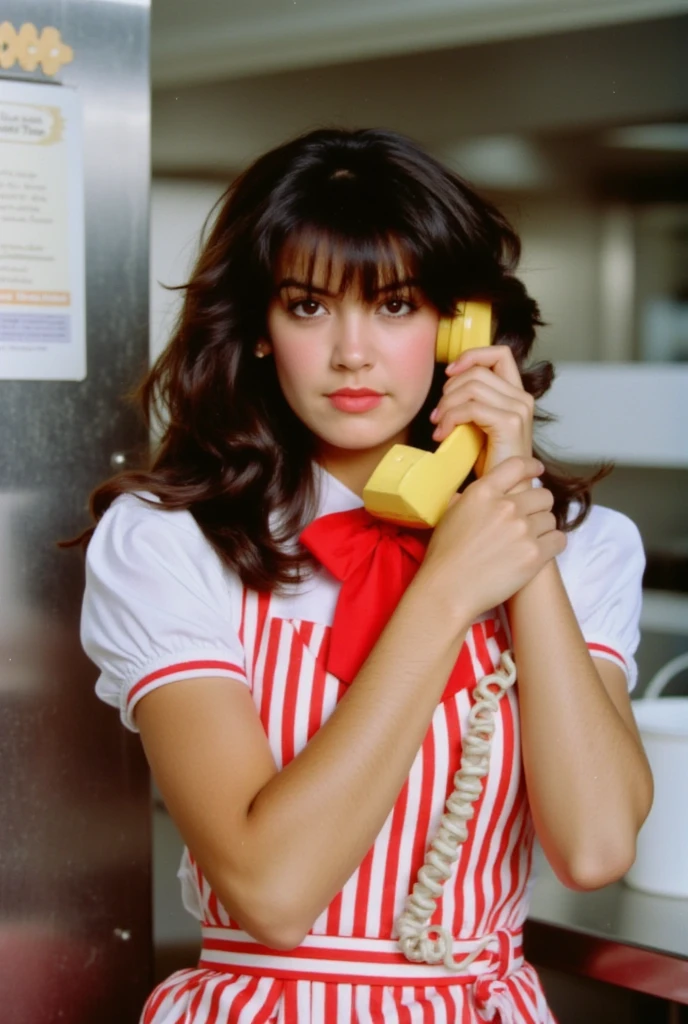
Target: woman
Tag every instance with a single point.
(302, 675)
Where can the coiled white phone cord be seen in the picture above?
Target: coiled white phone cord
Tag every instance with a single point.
(420, 941)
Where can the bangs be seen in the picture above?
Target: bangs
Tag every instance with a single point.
(321, 259)
(365, 211)
(351, 220)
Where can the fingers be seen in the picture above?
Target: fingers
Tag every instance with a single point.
(533, 500)
(480, 396)
(499, 358)
(541, 523)
(535, 504)
(479, 382)
(478, 374)
(507, 416)
(551, 544)
(513, 471)
(477, 377)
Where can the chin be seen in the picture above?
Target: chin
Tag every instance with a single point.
(360, 435)
(358, 444)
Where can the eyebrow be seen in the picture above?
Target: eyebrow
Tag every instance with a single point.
(291, 282)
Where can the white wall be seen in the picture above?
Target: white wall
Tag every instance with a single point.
(178, 210)
(560, 268)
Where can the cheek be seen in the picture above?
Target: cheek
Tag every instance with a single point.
(295, 359)
(415, 361)
(298, 367)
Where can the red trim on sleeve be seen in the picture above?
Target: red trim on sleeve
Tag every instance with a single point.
(607, 650)
(183, 666)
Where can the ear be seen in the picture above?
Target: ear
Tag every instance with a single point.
(263, 348)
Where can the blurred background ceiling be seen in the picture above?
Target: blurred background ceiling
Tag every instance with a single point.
(519, 95)
(211, 39)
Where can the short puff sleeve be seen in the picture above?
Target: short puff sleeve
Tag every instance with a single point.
(602, 569)
(158, 606)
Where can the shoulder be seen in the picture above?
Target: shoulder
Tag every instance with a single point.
(159, 605)
(602, 570)
(138, 543)
(137, 523)
(142, 513)
(605, 542)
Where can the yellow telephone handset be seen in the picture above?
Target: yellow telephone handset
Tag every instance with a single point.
(412, 486)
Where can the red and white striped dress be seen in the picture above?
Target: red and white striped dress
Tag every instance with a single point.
(159, 607)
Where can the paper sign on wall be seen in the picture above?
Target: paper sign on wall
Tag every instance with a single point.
(42, 286)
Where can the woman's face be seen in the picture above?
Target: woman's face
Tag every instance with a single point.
(356, 373)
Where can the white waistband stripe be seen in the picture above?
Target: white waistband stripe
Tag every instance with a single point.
(324, 956)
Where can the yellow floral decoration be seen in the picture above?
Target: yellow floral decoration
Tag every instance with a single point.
(28, 49)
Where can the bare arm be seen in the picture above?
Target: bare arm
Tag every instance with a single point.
(278, 846)
(589, 782)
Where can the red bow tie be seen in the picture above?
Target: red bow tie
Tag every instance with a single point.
(375, 562)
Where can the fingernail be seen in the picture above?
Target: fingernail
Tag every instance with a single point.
(452, 366)
(434, 415)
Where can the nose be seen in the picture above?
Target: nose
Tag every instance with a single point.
(353, 343)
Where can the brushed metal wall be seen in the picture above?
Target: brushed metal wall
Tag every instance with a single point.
(75, 918)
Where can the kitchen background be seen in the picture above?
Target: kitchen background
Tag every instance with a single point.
(573, 118)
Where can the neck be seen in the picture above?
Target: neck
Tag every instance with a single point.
(354, 468)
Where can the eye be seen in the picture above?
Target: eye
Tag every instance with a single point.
(307, 309)
(398, 307)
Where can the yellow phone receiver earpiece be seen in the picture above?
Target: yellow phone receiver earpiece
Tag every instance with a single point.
(470, 328)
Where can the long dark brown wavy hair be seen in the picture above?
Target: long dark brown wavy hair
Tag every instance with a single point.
(231, 450)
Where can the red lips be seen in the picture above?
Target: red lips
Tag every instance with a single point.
(356, 393)
(355, 400)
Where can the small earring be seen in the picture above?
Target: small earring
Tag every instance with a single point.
(260, 352)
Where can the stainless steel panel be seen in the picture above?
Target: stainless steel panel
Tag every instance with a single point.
(75, 919)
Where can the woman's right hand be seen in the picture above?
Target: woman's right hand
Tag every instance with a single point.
(492, 540)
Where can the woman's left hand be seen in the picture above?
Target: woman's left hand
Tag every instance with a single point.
(484, 387)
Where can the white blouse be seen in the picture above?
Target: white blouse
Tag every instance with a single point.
(159, 605)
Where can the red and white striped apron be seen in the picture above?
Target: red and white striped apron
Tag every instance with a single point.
(349, 969)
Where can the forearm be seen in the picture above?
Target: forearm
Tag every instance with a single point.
(312, 824)
(588, 781)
